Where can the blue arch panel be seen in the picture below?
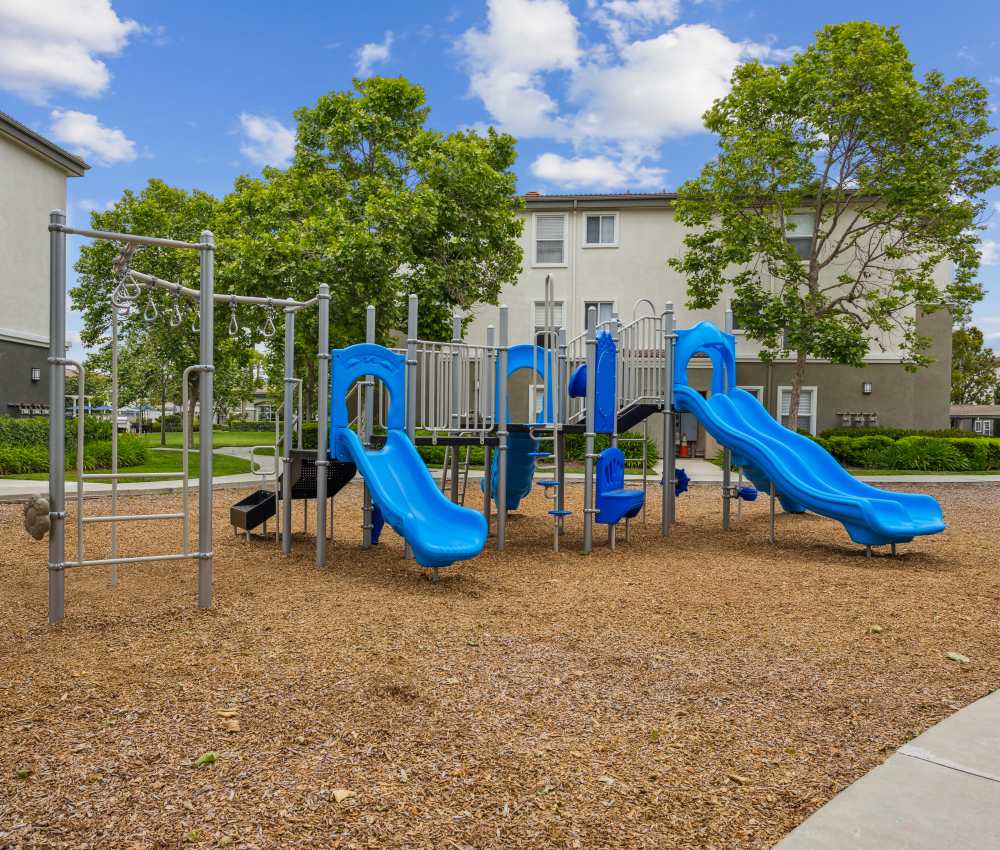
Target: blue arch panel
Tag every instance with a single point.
(355, 361)
(535, 358)
(706, 338)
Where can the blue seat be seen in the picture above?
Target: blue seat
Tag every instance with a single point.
(614, 502)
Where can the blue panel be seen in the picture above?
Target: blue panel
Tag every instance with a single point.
(356, 361)
(706, 338)
(532, 357)
(578, 382)
(605, 413)
(522, 449)
(805, 475)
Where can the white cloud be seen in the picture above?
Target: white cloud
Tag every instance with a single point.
(624, 19)
(616, 102)
(524, 39)
(598, 172)
(54, 45)
(85, 136)
(374, 53)
(89, 205)
(267, 141)
(989, 252)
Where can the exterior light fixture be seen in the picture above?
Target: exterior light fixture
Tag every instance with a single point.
(36, 374)
(866, 388)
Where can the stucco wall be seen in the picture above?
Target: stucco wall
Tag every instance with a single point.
(16, 360)
(30, 188)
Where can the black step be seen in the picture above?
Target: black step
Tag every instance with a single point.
(250, 512)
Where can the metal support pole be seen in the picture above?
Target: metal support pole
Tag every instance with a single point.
(114, 440)
(562, 409)
(502, 432)
(619, 374)
(489, 399)
(727, 455)
(456, 398)
(322, 421)
(369, 396)
(771, 536)
(588, 458)
(57, 416)
(669, 473)
(288, 433)
(206, 324)
(411, 379)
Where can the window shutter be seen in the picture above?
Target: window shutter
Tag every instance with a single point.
(805, 402)
(549, 227)
(558, 315)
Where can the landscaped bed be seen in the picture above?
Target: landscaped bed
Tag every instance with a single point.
(706, 691)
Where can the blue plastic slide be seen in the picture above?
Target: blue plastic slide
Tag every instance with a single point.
(804, 474)
(439, 531)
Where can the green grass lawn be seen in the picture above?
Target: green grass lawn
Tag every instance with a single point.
(220, 439)
(159, 461)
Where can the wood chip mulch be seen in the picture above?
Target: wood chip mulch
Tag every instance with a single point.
(706, 691)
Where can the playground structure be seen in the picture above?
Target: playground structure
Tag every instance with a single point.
(457, 394)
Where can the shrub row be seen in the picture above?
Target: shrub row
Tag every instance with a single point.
(20, 460)
(895, 433)
(915, 452)
(34, 431)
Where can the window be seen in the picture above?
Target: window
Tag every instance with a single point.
(983, 426)
(799, 233)
(806, 419)
(550, 239)
(601, 230)
(605, 311)
(558, 321)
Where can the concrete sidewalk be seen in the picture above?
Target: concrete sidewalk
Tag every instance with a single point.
(941, 790)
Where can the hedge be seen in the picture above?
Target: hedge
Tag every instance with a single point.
(894, 433)
(20, 460)
(34, 431)
(914, 452)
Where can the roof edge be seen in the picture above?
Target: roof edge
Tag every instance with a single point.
(26, 137)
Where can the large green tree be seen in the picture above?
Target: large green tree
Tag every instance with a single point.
(378, 205)
(974, 378)
(884, 174)
(160, 348)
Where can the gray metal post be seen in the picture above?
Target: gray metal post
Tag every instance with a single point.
(288, 413)
(502, 433)
(562, 406)
(366, 520)
(619, 376)
(456, 398)
(727, 455)
(114, 441)
(57, 416)
(206, 324)
(489, 399)
(669, 473)
(322, 420)
(411, 379)
(588, 457)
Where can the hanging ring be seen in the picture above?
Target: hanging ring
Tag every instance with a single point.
(150, 314)
(234, 325)
(269, 329)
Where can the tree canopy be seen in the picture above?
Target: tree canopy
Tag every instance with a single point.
(974, 378)
(843, 185)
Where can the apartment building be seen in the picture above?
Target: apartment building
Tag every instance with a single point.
(610, 251)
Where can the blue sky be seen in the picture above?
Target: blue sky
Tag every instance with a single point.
(602, 94)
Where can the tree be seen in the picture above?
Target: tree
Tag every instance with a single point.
(162, 343)
(974, 378)
(884, 174)
(378, 205)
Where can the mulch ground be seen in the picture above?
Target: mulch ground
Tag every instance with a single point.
(706, 691)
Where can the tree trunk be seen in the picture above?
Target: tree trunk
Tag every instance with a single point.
(798, 375)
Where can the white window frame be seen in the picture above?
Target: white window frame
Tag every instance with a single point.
(534, 241)
(755, 390)
(814, 406)
(799, 233)
(583, 237)
(983, 426)
(559, 310)
(595, 302)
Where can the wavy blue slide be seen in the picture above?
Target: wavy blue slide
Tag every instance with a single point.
(805, 475)
(439, 531)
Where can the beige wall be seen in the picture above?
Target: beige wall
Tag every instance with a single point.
(30, 188)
